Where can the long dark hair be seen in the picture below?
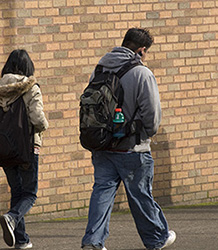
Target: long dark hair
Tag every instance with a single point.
(19, 63)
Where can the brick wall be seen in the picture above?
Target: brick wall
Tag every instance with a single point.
(66, 38)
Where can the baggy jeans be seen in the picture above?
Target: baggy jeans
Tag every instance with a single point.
(24, 186)
(136, 171)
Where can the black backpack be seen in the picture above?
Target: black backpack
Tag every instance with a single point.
(97, 109)
(15, 139)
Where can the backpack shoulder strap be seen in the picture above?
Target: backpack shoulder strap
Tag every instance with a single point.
(126, 67)
(98, 69)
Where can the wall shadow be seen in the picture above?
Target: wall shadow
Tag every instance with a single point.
(162, 187)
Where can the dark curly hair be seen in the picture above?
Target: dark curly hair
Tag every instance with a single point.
(136, 38)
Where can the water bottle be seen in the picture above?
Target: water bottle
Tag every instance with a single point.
(118, 122)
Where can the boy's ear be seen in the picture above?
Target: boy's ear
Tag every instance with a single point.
(139, 50)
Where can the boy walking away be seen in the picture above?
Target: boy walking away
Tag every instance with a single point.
(18, 86)
(129, 160)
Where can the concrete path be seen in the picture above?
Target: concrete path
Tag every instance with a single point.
(196, 228)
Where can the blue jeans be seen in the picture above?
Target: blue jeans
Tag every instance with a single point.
(24, 186)
(136, 172)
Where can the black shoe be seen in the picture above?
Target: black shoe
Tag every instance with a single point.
(8, 225)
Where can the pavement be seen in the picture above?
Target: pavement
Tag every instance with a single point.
(196, 229)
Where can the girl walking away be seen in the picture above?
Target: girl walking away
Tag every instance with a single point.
(17, 81)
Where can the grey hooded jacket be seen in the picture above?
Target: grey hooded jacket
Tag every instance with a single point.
(140, 90)
(13, 86)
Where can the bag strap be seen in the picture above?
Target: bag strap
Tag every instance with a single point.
(126, 67)
(138, 123)
(98, 69)
(32, 132)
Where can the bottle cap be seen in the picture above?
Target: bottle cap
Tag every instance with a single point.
(118, 109)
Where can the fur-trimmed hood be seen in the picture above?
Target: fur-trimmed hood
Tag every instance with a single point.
(13, 86)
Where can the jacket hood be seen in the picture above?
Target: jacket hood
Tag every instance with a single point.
(118, 57)
(13, 86)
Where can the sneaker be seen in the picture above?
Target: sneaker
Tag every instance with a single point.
(92, 248)
(8, 225)
(170, 239)
(24, 245)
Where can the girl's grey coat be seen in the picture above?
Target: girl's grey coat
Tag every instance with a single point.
(13, 86)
